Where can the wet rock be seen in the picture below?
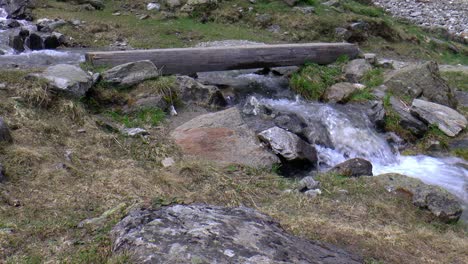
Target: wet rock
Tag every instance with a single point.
(223, 137)
(68, 79)
(5, 135)
(438, 201)
(421, 80)
(406, 119)
(353, 168)
(290, 147)
(34, 42)
(340, 92)
(17, 9)
(212, 234)
(448, 120)
(356, 69)
(13, 24)
(376, 114)
(191, 91)
(131, 73)
(51, 42)
(17, 43)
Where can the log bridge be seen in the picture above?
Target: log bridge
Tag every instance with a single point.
(192, 60)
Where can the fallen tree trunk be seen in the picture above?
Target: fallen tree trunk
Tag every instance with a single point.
(192, 60)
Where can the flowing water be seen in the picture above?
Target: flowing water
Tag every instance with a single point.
(29, 58)
(353, 136)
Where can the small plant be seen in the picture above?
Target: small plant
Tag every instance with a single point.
(145, 116)
(373, 78)
(310, 2)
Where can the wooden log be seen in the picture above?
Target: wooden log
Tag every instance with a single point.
(192, 60)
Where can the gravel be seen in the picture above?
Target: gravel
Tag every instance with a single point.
(451, 15)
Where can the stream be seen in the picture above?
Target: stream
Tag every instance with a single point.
(30, 59)
(351, 133)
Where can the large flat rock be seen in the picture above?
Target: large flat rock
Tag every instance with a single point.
(223, 137)
(447, 119)
(212, 234)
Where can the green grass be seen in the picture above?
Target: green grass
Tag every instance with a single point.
(373, 78)
(457, 80)
(365, 10)
(142, 117)
(313, 79)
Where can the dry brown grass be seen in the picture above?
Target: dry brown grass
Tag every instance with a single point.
(49, 192)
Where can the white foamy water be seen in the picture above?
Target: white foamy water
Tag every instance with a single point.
(352, 136)
(32, 58)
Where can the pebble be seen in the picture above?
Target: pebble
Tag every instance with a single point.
(451, 15)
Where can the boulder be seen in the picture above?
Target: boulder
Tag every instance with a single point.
(223, 137)
(34, 42)
(68, 79)
(131, 73)
(353, 168)
(201, 233)
(406, 119)
(5, 135)
(438, 201)
(340, 92)
(191, 91)
(17, 9)
(421, 80)
(289, 146)
(17, 43)
(445, 118)
(96, 4)
(356, 69)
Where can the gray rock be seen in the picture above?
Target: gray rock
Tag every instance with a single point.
(153, 6)
(191, 91)
(223, 137)
(96, 4)
(406, 119)
(462, 98)
(134, 132)
(448, 120)
(212, 234)
(291, 2)
(308, 183)
(353, 168)
(131, 73)
(5, 135)
(288, 145)
(17, 43)
(421, 80)
(356, 69)
(313, 193)
(305, 9)
(17, 9)
(376, 113)
(340, 92)
(438, 201)
(167, 162)
(34, 42)
(371, 58)
(68, 79)
(173, 3)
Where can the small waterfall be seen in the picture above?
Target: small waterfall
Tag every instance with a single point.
(32, 58)
(352, 136)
